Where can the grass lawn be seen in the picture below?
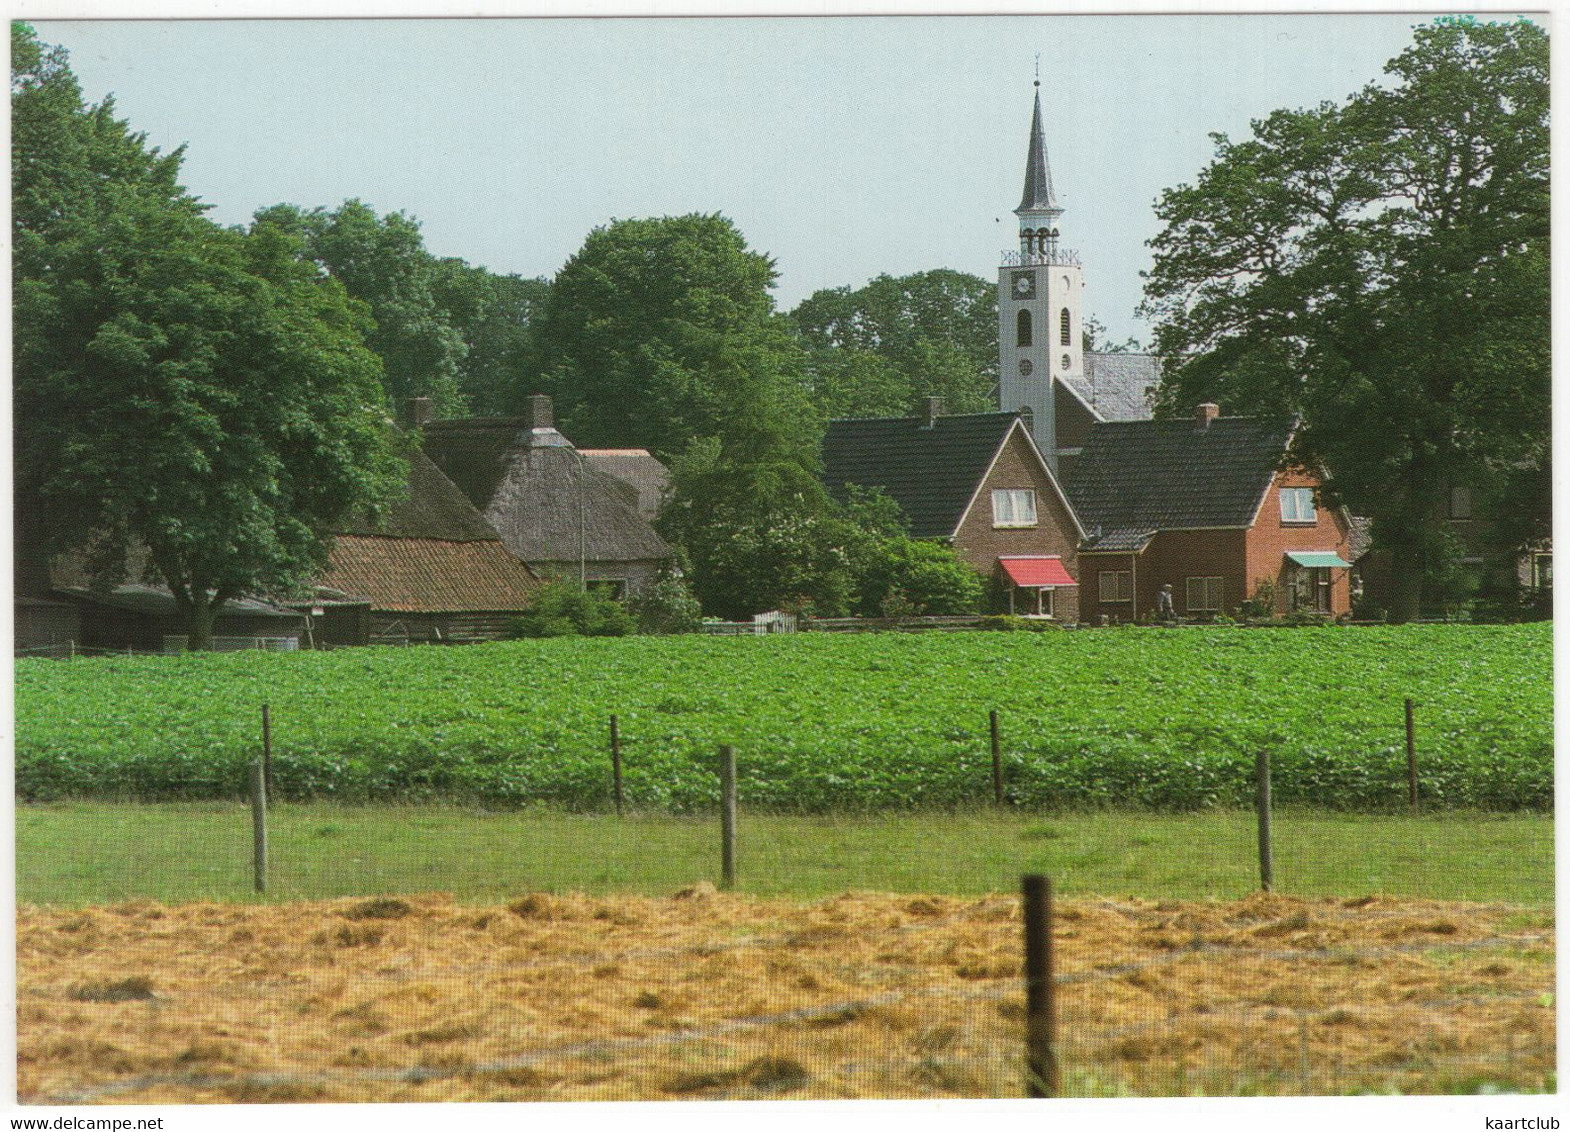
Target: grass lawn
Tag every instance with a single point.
(93, 853)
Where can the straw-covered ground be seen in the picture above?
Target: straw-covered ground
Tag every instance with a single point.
(705, 995)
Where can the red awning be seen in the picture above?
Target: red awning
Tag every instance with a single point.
(1033, 572)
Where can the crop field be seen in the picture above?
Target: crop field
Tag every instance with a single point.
(704, 995)
(1165, 719)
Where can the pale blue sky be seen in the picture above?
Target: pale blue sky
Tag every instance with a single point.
(843, 147)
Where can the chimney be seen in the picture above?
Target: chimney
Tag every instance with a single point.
(1204, 414)
(934, 411)
(418, 412)
(538, 413)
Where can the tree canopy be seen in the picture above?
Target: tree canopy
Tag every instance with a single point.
(1380, 270)
(190, 394)
(878, 349)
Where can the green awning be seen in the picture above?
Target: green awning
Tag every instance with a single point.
(1318, 558)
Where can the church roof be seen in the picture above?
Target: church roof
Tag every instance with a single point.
(1117, 387)
(1038, 195)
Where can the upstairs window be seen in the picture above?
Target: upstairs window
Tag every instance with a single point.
(1297, 505)
(1014, 507)
(1063, 329)
(1022, 329)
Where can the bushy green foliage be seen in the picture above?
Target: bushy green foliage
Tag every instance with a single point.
(919, 577)
(1123, 717)
(561, 609)
(668, 606)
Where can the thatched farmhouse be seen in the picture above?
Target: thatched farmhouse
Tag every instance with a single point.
(554, 507)
(430, 570)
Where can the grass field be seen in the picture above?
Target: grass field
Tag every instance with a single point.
(1149, 718)
(703, 995)
(94, 853)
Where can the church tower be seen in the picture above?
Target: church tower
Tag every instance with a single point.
(1039, 292)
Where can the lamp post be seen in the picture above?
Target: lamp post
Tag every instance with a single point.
(583, 569)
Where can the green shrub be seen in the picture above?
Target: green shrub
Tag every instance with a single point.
(561, 609)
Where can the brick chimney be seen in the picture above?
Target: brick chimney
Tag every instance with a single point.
(934, 410)
(1204, 414)
(418, 412)
(537, 412)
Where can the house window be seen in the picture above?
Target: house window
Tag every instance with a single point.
(1310, 589)
(1063, 329)
(1204, 595)
(1014, 507)
(613, 588)
(1116, 585)
(1460, 502)
(1022, 329)
(1543, 571)
(1297, 505)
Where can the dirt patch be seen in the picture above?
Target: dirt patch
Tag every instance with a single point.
(711, 995)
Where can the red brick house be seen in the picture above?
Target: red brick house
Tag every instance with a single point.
(1203, 505)
(978, 482)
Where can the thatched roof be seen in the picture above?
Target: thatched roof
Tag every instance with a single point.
(547, 501)
(431, 552)
(635, 466)
(433, 509)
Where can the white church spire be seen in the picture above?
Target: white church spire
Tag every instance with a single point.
(1040, 334)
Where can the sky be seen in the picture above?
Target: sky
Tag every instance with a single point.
(844, 148)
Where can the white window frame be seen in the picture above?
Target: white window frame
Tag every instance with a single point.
(1010, 505)
(1122, 585)
(1209, 594)
(1294, 500)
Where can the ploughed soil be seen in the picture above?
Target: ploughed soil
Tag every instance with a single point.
(708, 995)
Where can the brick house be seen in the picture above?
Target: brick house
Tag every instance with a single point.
(1206, 506)
(978, 482)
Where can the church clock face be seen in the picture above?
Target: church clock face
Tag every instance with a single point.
(1025, 367)
(1024, 284)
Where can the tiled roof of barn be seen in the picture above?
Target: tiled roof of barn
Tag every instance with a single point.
(405, 574)
(1135, 477)
(931, 472)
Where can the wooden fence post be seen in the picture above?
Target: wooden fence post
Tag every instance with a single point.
(267, 751)
(259, 825)
(1041, 1061)
(727, 817)
(1411, 760)
(1262, 807)
(997, 762)
(616, 765)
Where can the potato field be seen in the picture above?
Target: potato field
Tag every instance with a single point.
(1154, 718)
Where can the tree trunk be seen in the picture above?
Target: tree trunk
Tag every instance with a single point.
(1408, 563)
(199, 620)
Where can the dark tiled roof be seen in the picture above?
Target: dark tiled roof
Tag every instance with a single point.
(541, 495)
(1138, 476)
(932, 473)
(1118, 387)
(425, 575)
(156, 601)
(1362, 536)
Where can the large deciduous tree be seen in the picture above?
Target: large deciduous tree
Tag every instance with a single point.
(381, 261)
(183, 393)
(876, 350)
(659, 331)
(1380, 269)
